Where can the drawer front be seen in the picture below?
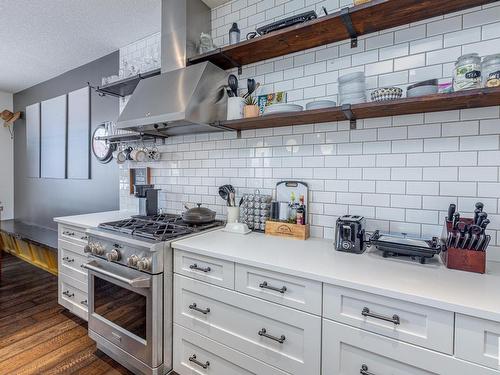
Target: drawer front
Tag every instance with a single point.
(71, 261)
(277, 335)
(73, 234)
(477, 340)
(211, 270)
(417, 324)
(348, 351)
(197, 354)
(277, 287)
(72, 297)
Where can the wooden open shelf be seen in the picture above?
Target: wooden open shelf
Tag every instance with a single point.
(432, 103)
(126, 86)
(366, 18)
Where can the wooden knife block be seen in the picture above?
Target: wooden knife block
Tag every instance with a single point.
(462, 259)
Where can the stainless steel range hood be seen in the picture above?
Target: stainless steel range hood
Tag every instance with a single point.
(181, 100)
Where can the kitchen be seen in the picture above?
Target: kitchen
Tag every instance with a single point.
(153, 238)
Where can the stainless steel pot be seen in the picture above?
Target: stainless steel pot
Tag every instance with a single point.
(198, 215)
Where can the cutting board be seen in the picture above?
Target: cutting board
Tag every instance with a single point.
(284, 190)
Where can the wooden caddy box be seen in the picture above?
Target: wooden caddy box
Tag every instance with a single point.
(281, 229)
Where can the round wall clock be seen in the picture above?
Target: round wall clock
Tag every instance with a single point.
(101, 149)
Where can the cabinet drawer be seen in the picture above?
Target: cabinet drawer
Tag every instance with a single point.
(200, 267)
(477, 340)
(72, 297)
(73, 234)
(349, 351)
(417, 324)
(217, 358)
(277, 287)
(71, 261)
(277, 335)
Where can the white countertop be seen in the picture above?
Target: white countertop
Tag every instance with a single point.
(94, 219)
(430, 284)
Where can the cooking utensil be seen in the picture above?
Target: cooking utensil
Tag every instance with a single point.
(451, 211)
(233, 83)
(481, 217)
(251, 85)
(198, 215)
(241, 202)
(479, 206)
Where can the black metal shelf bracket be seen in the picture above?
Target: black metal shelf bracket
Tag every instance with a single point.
(347, 111)
(233, 62)
(346, 19)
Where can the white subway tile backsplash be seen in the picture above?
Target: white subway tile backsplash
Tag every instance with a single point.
(400, 172)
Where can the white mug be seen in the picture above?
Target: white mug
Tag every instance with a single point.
(233, 214)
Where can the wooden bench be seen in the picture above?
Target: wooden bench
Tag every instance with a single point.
(32, 243)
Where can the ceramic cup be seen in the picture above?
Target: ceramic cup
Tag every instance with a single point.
(233, 214)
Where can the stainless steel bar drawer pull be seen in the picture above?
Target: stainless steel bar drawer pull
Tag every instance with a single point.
(264, 285)
(393, 319)
(195, 267)
(364, 370)
(195, 308)
(281, 339)
(196, 362)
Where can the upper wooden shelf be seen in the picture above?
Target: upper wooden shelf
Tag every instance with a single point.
(367, 18)
(432, 103)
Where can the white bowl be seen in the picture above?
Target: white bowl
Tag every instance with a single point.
(321, 104)
(421, 91)
(238, 228)
(356, 76)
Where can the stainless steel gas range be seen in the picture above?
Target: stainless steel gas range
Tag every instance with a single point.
(130, 289)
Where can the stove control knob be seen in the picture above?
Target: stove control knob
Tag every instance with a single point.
(98, 249)
(113, 255)
(144, 264)
(132, 260)
(88, 248)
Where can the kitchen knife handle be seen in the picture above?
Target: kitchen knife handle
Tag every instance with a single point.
(451, 211)
(480, 206)
(456, 220)
(481, 217)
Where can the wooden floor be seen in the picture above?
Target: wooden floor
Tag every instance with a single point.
(37, 336)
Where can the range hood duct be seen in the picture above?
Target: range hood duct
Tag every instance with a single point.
(181, 100)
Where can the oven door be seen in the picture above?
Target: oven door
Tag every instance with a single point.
(126, 309)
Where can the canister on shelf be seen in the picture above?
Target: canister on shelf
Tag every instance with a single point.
(491, 71)
(467, 72)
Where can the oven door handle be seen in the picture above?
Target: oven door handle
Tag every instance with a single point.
(138, 282)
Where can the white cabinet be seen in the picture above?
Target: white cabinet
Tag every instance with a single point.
(215, 271)
(477, 340)
(72, 279)
(288, 290)
(279, 336)
(417, 324)
(197, 354)
(348, 351)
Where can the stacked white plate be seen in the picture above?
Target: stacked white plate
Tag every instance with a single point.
(320, 104)
(282, 108)
(352, 88)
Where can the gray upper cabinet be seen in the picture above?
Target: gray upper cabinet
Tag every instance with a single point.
(79, 134)
(33, 140)
(53, 137)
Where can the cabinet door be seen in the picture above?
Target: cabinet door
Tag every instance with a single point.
(79, 134)
(33, 139)
(53, 138)
(348, 351)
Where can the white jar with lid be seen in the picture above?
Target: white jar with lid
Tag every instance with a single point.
(467, 72)
(491, 71)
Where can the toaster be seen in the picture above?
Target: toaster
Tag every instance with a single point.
(350, 234)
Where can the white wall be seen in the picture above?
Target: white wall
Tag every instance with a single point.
(6, 162)
(400, 172)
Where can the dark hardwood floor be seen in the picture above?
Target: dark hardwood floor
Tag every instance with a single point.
(37, 336)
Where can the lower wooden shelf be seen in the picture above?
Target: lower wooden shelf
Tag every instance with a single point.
(485, 97)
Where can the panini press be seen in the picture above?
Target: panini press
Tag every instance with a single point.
(281, 24)
(394, 245)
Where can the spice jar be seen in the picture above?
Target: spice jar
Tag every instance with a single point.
(491, 71)
(467, 72)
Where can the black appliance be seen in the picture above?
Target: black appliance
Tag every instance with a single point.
(148, 199)
(281, 24)
(401, 245)
(350, 234)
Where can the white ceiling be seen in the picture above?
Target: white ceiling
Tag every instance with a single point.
(40, 39)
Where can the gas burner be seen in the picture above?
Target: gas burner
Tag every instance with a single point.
(161, 227)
